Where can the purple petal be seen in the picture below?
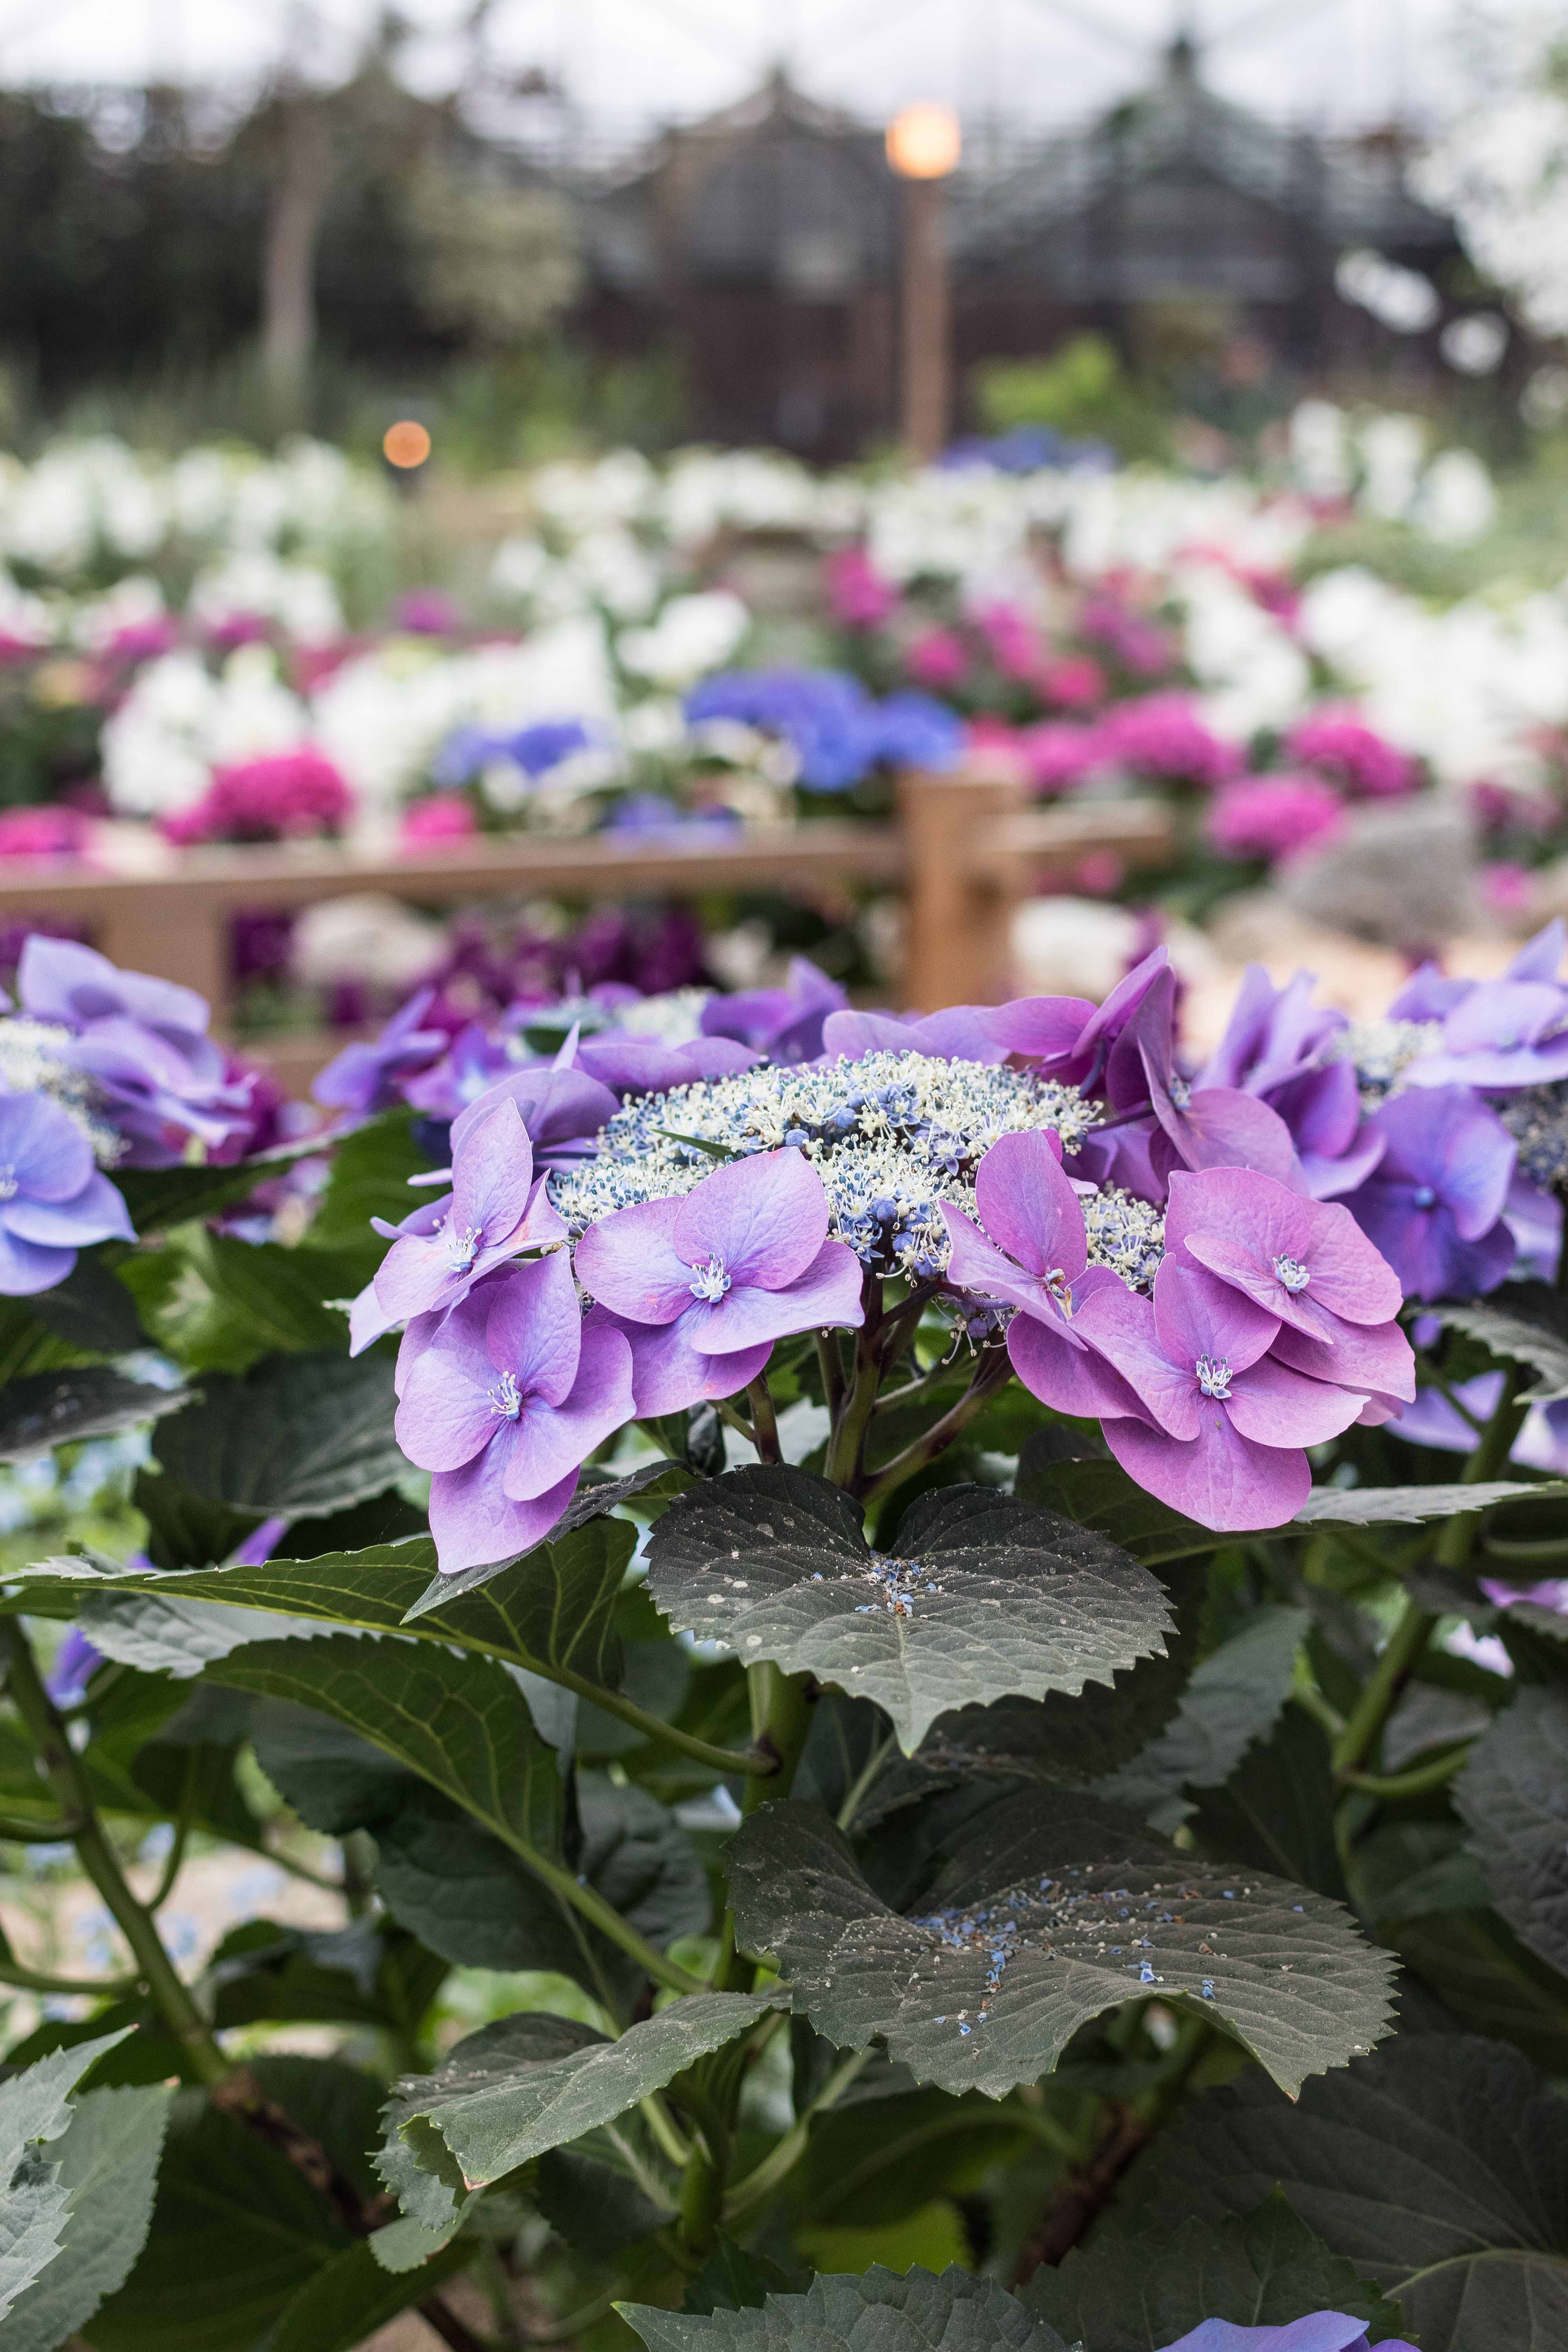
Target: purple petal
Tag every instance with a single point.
(1028, 1205)
(1377, 1358)
(1321, 2331)
(1425, 1248)
(1506, 1014)
(1541, 956)
(368, 1321)
(1195, 1315)
(446, 1413)
(1442, 1137)
(976, 1265)
(95, 1214)
(1066, 1373)
(1275, 1406)
(534, 1328)
(668, 1373)
(59, 980)
(547, 1442)
(1040, 1028)
(493, 1175)
(26, 1267)
(1219, 1478)
(1222, 1129)
(1120, 1326)
(557, 1107)
(629, 1262)
(827, 1295)
(1243, 1226)
(475, 1522)
(43, 1151)
(765, 1218)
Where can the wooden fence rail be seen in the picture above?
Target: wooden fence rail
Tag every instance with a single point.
(965, 849)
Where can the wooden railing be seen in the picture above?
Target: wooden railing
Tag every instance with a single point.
(965, 847)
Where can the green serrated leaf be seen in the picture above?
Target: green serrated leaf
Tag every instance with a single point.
(459, 1723)
(1137, 2291)
(1046, 1887)
(355, 2294)
(1524, 1323)
(60, 1408)
(1098, 1494)
(652, 1482)
(299, 1434)
(1376, 1507)
(983, 1596)
(596, 2192)
(1276, 1811)
(1438, 2167)
(733, 2280)
(237, 2231)
(1512, 1797)
(554, 1607)
(108, 2160)
(91, 1308)
(35, 2113)
(911, 2312)
(1233, 1698)
(371, 1168)
(176, 1636)
(535, 2081)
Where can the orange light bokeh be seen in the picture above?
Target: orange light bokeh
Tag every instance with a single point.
(405, 443)
(924, 142)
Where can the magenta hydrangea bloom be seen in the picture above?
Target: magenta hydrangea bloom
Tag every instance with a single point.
(1344, 748)
(513, 1394)
(1163, 736)
(1320, 2331)
(496, 1210)
(53, 1200)
(1033, 1255)
(741, 1260)
(1211, 1126)
(1433, 1206)
(1273, 816)
(364, 1077)
(1226, 1424)
(1306, 1262)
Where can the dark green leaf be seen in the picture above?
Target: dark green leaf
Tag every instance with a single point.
(34, 2201)
(92, 1309)
(185, 1530)
(1512, 1796)
(1408, 1866)
(1485, 1977)
(459, 1723)
(1438, 2167)
(354, 2296)
(1098, 1494)
(158, 1198)
(1524, 1323)
(535, 2081)
(554, 1607)
(1137, 2290)
(1376, 1507)
(237, 2231)
(371, 1168)
(299, 1433)
(1232, 1699)
(733, 2280)
(913, 2313)
(882, 2157)
(169, 1634)
(1277, 1810)
(273, 1297)
(592, 2196)
(57, 1408)
(1046, 1887)
(108, 2161)
(982, 1597)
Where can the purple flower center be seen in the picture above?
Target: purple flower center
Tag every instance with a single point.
(1214, 1377)
(1059, 1287)
(1424, 1196)
(506, 1402)
(462, 1248)
(1290, 1273)
(710, 1282)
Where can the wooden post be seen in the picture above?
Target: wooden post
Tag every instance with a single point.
(958, 923)
(175, 930)
(926, 328)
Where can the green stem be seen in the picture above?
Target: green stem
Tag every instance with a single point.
(865, 1779)
(765, 1420)
(13, 1971)
(1505, 1553)
(72, 1790)
(848, 1441)
(831, 1365)
(177, 1855)
(1387, 1679)
(990, 1374)
(20, 1832)
(592, 1906)
(563, 2330)
(781, 2159)
(1432, 1774)
(1458, 1538)
(652, 1726)
(738, 1421)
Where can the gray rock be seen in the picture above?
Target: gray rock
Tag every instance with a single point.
(1404, 878)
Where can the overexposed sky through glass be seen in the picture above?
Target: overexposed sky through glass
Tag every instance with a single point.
(1332, 62)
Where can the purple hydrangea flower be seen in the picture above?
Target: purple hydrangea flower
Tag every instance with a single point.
(1320, 2331)
(562, 1108)
(53, 1200)
(510, 1395)
(1213, 1127)
(839, 731)
(1066, 1036)
(644, 1066)
(1433, 1206)
(496, 1210)
(364, 1077)
(785, 1024)
(1497, 1033)
(1033, 1256)
(960, 1033)
(1225, 1424)
(1305, 1262)
(741, 1260)
(1274, 1046)
(76, 1662)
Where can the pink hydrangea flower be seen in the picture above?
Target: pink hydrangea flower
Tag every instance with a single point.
(48, 832)
(1345, 749)
(1076, 682)
(1058, 755)
(1161, 735)
(1274, 816)
(288, 795)
(857, 595)
(445, 816)
(939, 658)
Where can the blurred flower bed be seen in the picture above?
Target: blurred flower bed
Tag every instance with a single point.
(727, 640)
